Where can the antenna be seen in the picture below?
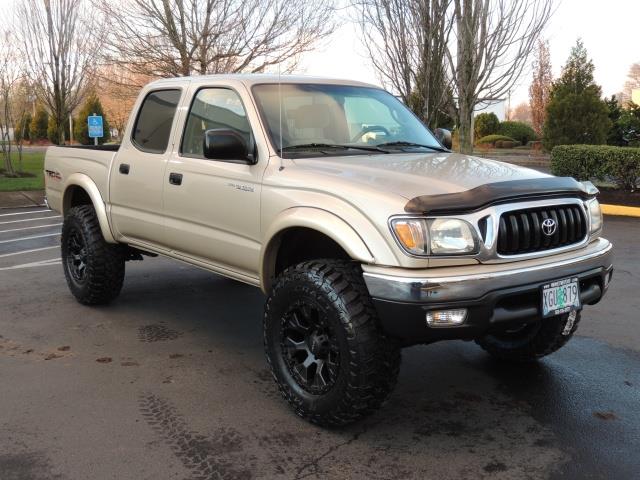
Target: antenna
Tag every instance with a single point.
(280, 106)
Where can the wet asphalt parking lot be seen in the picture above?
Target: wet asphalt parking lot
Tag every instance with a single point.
(170, 381)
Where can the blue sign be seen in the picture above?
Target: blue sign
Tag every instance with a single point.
(95, 126)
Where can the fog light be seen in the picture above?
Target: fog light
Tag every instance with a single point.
(446, 318)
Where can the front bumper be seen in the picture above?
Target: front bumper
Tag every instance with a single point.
(492, 293)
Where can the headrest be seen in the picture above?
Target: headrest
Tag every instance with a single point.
(311, 116)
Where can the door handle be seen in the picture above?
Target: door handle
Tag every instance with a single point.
(124, 168)
(175, 178)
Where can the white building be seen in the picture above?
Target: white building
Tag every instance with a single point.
(497, 106)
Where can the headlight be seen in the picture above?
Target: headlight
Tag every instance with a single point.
(450, 236)
(595, 215)
(441, 236)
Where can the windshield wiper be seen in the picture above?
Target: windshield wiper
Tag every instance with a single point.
(411, 144)
(320, 146)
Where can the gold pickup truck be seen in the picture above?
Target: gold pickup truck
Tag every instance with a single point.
(366, 233)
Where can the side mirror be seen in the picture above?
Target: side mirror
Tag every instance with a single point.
(444, 137)
(224, 144)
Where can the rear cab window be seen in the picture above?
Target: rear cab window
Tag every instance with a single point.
(152, 129)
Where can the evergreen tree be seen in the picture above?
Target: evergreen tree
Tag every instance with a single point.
(81, 128)
(630, 125)
(575, 113)
(39, 124)
(56, 129)
(485, 124)
(615, 135)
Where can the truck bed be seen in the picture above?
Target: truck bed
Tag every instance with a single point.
(62, 162)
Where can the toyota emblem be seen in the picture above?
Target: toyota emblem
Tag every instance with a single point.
(549, 226)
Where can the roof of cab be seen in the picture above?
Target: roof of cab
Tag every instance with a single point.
(250, 79)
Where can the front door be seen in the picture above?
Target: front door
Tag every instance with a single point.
(212, 207)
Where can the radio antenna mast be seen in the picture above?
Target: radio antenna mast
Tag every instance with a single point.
(280, 109)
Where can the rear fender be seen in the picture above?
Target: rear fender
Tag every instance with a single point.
(83, 181)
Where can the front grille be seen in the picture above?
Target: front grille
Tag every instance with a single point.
(521, 231)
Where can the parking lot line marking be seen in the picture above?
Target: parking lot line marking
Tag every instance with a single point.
(31, 228)
(31, 219)
(28, 251)
(25, 213)
(43, 263)
(29, 238)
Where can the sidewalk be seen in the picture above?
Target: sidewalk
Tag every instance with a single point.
(33, 198)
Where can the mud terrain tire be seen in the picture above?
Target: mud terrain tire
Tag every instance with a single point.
(356, 365)
(94, 269)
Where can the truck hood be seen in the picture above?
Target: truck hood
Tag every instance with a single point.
(410, 175)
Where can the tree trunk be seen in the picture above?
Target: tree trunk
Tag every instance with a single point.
(5, 138)
(465, 128)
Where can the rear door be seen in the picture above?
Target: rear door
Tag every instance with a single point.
(213, 214)
(137, 174)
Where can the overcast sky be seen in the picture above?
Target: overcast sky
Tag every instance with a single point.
(610, 31)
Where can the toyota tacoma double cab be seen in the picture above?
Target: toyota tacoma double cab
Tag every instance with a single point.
(365, 232)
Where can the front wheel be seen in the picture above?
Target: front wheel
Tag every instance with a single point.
(327, 353)
(530, 342)
(94, 269)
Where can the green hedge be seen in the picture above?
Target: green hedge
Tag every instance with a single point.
(584, 162)
(496, 138)
(519, 131)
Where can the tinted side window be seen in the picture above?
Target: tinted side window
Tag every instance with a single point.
(213, 108)
(153, 125)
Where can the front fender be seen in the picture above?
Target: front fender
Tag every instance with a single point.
(83, 181)
(317, 219)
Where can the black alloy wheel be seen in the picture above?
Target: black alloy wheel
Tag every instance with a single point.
(76, 258)
(310, 348)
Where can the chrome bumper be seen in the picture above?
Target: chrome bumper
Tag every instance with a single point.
(449, 284)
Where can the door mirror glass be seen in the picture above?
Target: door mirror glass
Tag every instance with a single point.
(224, 144)
(444, 137)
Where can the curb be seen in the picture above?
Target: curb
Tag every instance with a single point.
(620, 210)
(21, 199)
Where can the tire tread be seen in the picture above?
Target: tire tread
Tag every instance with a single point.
(107, 266)
(375, 359)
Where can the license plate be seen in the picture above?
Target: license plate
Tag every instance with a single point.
(560, 297)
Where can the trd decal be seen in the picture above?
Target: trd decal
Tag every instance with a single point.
(53, 174)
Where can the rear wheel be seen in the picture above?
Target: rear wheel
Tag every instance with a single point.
(327, 353)
(94, 269)
(531, 341)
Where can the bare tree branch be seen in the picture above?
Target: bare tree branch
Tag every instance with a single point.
(166, 38)
(495, 39)
(60, 42)
(10, 78)
(406, 41)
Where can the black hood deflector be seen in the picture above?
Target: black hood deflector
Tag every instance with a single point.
(494, 193)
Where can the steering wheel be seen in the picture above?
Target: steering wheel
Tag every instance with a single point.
(370, 128)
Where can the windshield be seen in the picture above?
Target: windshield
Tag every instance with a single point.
(338, 119)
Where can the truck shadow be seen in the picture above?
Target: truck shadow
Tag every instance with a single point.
(454, 407)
